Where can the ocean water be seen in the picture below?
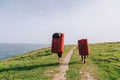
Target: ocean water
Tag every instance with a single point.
(10, 50)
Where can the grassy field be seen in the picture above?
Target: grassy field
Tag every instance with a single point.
(107, 57)
(76, 66)
(103, 62)
(35, 65)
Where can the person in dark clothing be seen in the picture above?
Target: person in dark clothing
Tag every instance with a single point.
(83, 57)
(58, 45)
(59, 57)
(83, 49)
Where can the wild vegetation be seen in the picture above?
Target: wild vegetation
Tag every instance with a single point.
(35, 65)
(103, 63)
(107, 57)
(77, 68)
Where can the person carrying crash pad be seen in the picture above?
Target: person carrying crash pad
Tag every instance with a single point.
(58, 45)
(83, 49)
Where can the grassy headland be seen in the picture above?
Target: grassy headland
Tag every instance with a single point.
(103, 63)
(107, 57)
(35, 65)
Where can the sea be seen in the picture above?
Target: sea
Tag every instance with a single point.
(8, 50)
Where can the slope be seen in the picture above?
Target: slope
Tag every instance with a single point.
(35, 65)
(103, 63)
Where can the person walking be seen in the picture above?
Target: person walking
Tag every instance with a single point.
(83, 49)
(58, 45)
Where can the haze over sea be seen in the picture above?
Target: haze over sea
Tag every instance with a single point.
(8, 50)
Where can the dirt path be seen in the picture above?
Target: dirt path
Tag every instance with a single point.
(63, 67)
(87, 72)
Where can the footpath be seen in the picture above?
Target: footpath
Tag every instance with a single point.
(63, 66)
(86, 71)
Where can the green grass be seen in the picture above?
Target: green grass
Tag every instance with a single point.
(76, 67)
(104, 62)
(35, 65)
(107, 57)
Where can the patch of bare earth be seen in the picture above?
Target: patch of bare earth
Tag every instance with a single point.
(63, 67)
(87, 73)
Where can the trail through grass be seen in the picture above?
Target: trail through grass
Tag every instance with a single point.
(79, 70)
(35, 65)
(63, 67)
(103, 63)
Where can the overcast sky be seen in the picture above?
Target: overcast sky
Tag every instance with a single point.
(34, 21)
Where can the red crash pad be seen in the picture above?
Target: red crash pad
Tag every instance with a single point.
(57, 43)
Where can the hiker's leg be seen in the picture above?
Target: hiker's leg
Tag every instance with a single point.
(59, 57)
(84, 58)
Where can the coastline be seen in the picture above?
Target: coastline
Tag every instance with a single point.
(9, 50)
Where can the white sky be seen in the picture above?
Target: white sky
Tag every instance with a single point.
(34, 21)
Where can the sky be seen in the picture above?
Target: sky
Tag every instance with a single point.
(34, 21)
